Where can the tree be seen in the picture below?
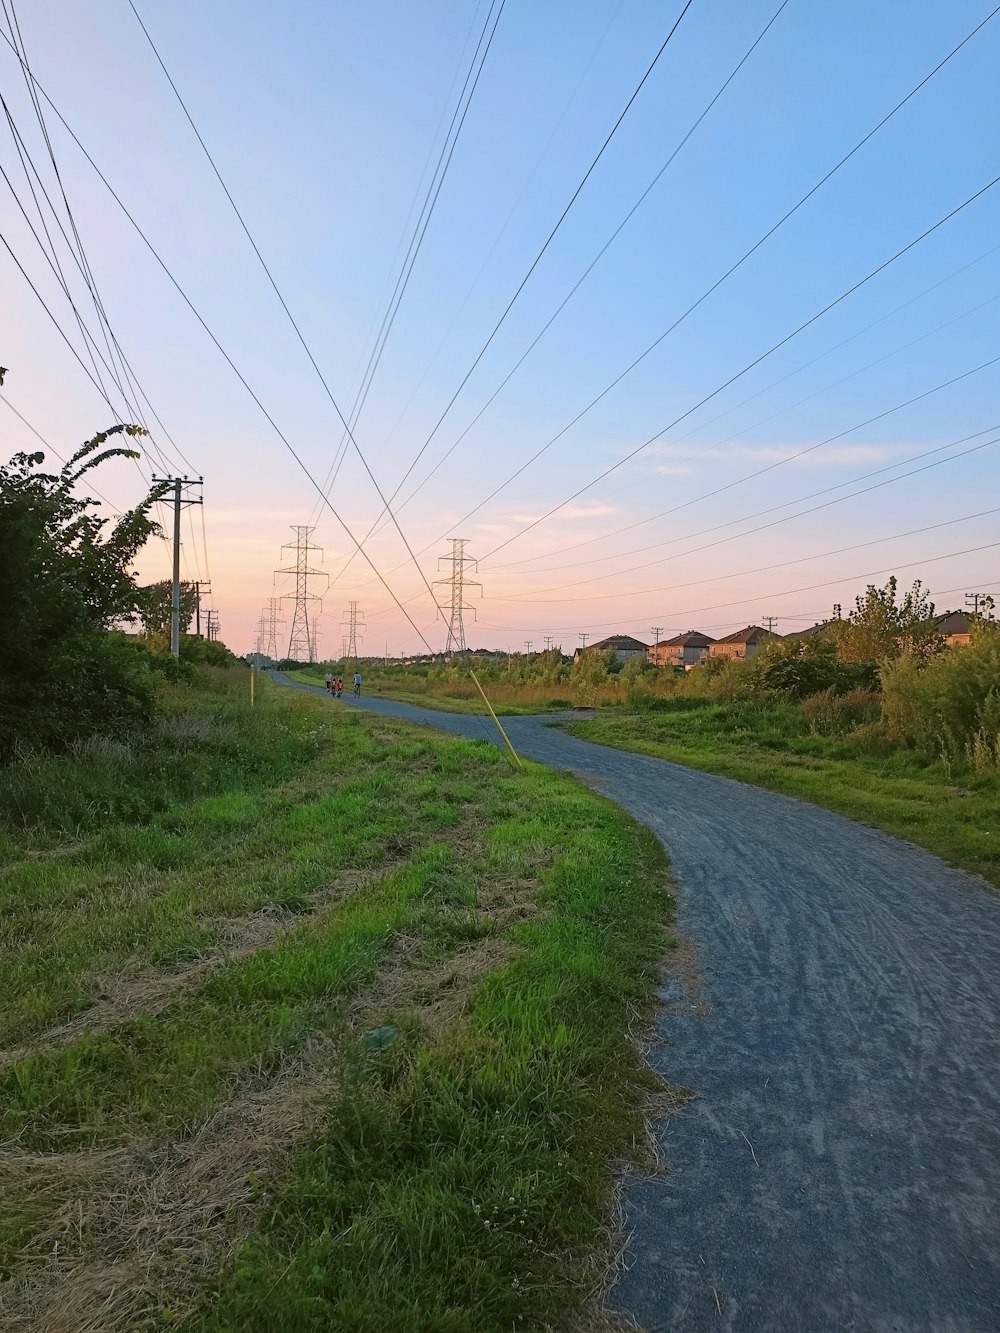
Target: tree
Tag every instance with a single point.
(156, 603)
(798, 666)
(881, 627)
(67, 581)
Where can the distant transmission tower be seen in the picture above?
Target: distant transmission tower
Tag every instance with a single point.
(354, 620)
(272, 623)
(456, 583)
(302, 638)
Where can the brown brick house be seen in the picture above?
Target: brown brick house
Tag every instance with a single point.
(745, 643)
(953, 627)
(685, 650)
(623, 646)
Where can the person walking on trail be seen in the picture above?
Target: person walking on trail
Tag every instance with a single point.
(357, 683)
(329, 684)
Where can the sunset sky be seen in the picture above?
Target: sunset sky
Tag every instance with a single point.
(326, 121)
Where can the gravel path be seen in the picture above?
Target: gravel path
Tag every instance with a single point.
(840, 1166)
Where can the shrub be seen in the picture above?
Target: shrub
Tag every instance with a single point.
(827, 713)
(947, 701)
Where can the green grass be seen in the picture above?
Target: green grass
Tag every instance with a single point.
(952, 813)
(464, 1169)
(460, 1183)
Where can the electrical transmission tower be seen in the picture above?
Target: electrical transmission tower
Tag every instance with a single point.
(548, 642)
(456, 583)
(354, 620)
(272, 623)
(307, 605)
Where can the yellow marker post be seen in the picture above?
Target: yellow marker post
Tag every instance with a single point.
(514, 753)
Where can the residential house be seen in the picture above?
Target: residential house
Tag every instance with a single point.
(745, 643)
(686, 650)
(623, 646)
(953, 627)
(821, 630)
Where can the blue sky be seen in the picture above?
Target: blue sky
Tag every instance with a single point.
(323, 118)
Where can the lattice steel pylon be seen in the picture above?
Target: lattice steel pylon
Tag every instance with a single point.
(354, 620)
(456, 583)
(302, 637)
(272, 623)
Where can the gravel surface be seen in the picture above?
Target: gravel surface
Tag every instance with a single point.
(840, 1166)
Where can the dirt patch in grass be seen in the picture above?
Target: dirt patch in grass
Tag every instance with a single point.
(132, 990)
(133, 1232)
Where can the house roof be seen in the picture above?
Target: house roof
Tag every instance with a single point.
(953, 622)
(621, 643)
(752, 634)
(692, 639)
(816, 631)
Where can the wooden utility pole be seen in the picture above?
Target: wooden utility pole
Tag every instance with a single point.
(178, 485)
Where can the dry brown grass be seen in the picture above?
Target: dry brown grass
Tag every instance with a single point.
(130, 1232)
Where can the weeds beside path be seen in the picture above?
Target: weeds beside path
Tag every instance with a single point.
(957, 817)
(314, 1020)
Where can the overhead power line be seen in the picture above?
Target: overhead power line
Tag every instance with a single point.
(593, 264)
(801, 513)
(291, 318)
(534, 264)
(734, 267)
(759, 569)
(219, 347)
(784, 592)
(419, 232)
(801, 453)
(750, 366)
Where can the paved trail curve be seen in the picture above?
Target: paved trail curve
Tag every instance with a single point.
(840, 1167)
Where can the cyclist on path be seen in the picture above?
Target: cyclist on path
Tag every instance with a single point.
(357, 683)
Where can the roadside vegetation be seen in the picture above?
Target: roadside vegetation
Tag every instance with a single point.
(909, 743)
(310, 1020)
(872, 716)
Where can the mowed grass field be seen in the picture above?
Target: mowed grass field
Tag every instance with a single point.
(943, 807)
(311, 1020)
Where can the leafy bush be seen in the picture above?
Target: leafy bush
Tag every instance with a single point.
(945, 702)
(800, 667)
(67, 581)
(830, 714)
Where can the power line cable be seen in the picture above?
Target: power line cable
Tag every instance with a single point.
(132, 406)
(629, 527)
(785, 592)
(746, 518)
(761, 569)
(594, 262)
(423, 221)
(534, 264)
(291, 318)
(503, 229)
(801, 453)
(218, 345)
(750, 366)
(737, 265)
(528, 601)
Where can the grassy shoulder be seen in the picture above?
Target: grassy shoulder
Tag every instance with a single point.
(951, 813)
(368, 983)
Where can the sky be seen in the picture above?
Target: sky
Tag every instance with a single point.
(717, 482)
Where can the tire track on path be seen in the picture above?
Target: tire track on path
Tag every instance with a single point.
(840, 1168)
